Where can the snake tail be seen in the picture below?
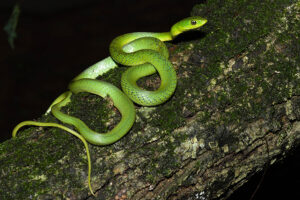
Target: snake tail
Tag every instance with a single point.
(49, 124)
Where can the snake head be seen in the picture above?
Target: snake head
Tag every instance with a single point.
(187, 24)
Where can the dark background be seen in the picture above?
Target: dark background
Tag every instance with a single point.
(58, 39)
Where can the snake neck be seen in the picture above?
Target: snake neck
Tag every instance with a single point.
(165, 36)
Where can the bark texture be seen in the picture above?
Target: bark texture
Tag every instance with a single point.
(236, 109)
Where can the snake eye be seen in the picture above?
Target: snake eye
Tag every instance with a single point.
(193, 22)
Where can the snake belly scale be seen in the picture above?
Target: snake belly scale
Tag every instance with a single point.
(145, 54)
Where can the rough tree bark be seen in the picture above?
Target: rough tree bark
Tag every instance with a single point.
(236, 109)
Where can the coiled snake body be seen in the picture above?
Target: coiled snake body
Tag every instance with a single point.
(146, 54)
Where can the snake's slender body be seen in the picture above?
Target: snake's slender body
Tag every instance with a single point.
(146, 54)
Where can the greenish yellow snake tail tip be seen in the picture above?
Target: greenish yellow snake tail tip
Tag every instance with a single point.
(49, 124)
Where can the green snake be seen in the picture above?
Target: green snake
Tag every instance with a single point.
(146, 54)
